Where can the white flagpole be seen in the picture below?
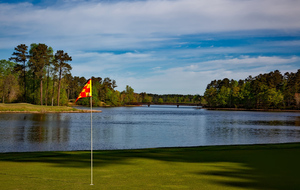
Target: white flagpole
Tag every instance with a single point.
(91, 143)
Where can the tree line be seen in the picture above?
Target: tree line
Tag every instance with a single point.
(37, 75)
(104, 94)
(270, 90)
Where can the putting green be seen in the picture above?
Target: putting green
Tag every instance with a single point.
(215, 167)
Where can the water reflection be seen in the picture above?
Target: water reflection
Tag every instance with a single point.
(295, 122)
(143, 127)
(34, 131)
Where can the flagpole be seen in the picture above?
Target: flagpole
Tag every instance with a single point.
(91, 142)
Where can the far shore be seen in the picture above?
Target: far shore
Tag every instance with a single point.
(244, 109)
(31, 108)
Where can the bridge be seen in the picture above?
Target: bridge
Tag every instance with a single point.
(176, 104)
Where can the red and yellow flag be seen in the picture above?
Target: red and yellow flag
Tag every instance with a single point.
(86, 91)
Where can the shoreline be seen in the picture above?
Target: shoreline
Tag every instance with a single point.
(244, 109)
(205, 147)
(79, 111)
(31, 108)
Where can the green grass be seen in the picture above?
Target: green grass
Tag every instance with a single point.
(216, 167)
(25, 107)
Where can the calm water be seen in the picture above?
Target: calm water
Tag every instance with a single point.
(145, 127)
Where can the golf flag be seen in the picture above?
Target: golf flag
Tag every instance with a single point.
(86, 91)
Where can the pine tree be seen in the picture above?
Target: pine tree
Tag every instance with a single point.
(62, 67)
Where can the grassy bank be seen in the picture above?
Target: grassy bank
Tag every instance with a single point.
(30, 108)
(216, 167)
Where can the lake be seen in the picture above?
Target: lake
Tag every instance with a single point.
(145, 127)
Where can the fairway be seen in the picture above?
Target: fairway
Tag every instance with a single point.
(214, 167)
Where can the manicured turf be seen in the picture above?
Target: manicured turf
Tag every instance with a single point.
(216, 167)
(25, 107)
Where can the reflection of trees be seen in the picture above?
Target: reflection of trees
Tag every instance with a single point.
(36, 132)
(50, 128)
(19, 134)
(297, 121)
(252, 131)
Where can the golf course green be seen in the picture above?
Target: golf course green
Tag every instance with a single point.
(273, 166)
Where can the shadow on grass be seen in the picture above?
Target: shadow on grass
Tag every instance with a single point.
(264, 166)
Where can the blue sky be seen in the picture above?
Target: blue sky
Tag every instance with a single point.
(160, 46)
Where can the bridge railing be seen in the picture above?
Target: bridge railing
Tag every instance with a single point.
(176, 104)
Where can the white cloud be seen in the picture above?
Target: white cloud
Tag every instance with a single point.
(193, 79)
(148, 17)
(95, 64)
(83, 29)
(131, 25)
(253, 61)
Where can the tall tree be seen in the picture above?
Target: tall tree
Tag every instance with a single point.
(39, 59)
(129, 94)
(8, 81)
(62, 67)
(49, 69)
(54, 78)
(21, 57)
(114, 84)
(210, 95)
(69, 82)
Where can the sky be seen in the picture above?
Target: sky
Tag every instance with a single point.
(160, 46)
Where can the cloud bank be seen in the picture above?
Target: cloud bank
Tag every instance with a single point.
(140, 21)
(160, 46)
